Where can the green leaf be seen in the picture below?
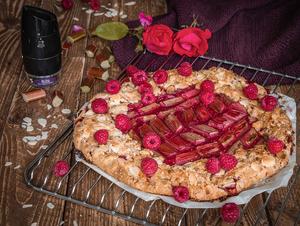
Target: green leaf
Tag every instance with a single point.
(111, 31)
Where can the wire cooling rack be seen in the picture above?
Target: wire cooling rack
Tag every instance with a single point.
(85, 187)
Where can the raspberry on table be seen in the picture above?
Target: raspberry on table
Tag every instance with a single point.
(251, 91)
(123, 123)
(160, 76)
(61, 168)
(213, 165)
(149, 166)
(268, 103)
(101, 136)
(207, 85)
(275, 145)
(207, 97)
(230, 212)
(139, 77)
(227, 161)
(99, 106)
(151, 141)
(148, 98)
(185, 69)
(181, 193)
(113, 87)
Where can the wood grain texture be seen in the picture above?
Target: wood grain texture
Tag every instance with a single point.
(13, 191)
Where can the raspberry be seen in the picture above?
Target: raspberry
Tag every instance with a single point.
(251, 91)
(268, 103)
(185, 69)
(145, 88)
(99, 106)
(202, 113)
(151, 141)
(61, 168)
(139, 77)
(213, 165)
(230, 212)
(275, 145)
(149, 166)
(123, 123)
(207, 85)
(148, 98)
(131, 69)
(101, 136)
(181, 193)
(227, 161)
(160, 76)
(113, 87)
(207, 97)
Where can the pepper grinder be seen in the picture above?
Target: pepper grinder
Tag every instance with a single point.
(41, 46)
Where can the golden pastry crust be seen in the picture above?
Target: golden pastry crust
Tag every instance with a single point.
(121, 156)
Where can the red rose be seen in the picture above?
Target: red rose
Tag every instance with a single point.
(158, 39)
(191, 41)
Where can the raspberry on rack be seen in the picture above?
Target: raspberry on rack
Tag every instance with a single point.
(139, 77)
(251, 91)
(113, 87)
(207, 85)
(181, 193)
(160, 76)
(185, 69)
(268, 103)
(230, 212)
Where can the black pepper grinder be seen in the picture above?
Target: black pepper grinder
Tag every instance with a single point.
(41, 46)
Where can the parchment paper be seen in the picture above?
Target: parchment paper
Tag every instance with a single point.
(281, 179)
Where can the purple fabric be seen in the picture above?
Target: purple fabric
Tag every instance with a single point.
(260, 33)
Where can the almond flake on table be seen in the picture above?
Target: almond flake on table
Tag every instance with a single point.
(66, 111)
(34, 224)
(89, 11)
(105, 75)
(48, 116)
(8, 164)
(32, 143)
(27, 119)
(25, 206)
(17, 167)
(50, 205)
(42, 122)
(75, 223)
(54, 125)
(29, 128)
(105, 64)
(98, 14)
(44, 135)
(75, 18)
(61, 223)
(44, 146)
(49, 106)
(124, 16)
(130, 3)
(23, 126)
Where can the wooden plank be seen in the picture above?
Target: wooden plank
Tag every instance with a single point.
(14, 193)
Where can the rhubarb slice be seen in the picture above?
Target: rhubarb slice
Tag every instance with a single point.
(178, 143)
(208, 150)
(220, 123)
(132, 114)
(144, 129)
(237, 106)
(202, 114)
(171, 102)
(187, 104)
(166, 150)
(226, 100)
(240, 128)
(187, 117)
(163, 114)
(217, 106)
(234, 115)
(173, 123)
(206, 131)
(159, 127)
(250, 139)
(194, 138)
(186, 157)
(151, 108)
(227, 140)
(190, 93)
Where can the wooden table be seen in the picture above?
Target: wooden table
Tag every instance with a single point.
(15, 195)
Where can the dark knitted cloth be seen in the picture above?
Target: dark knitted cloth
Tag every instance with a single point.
(260, 33)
